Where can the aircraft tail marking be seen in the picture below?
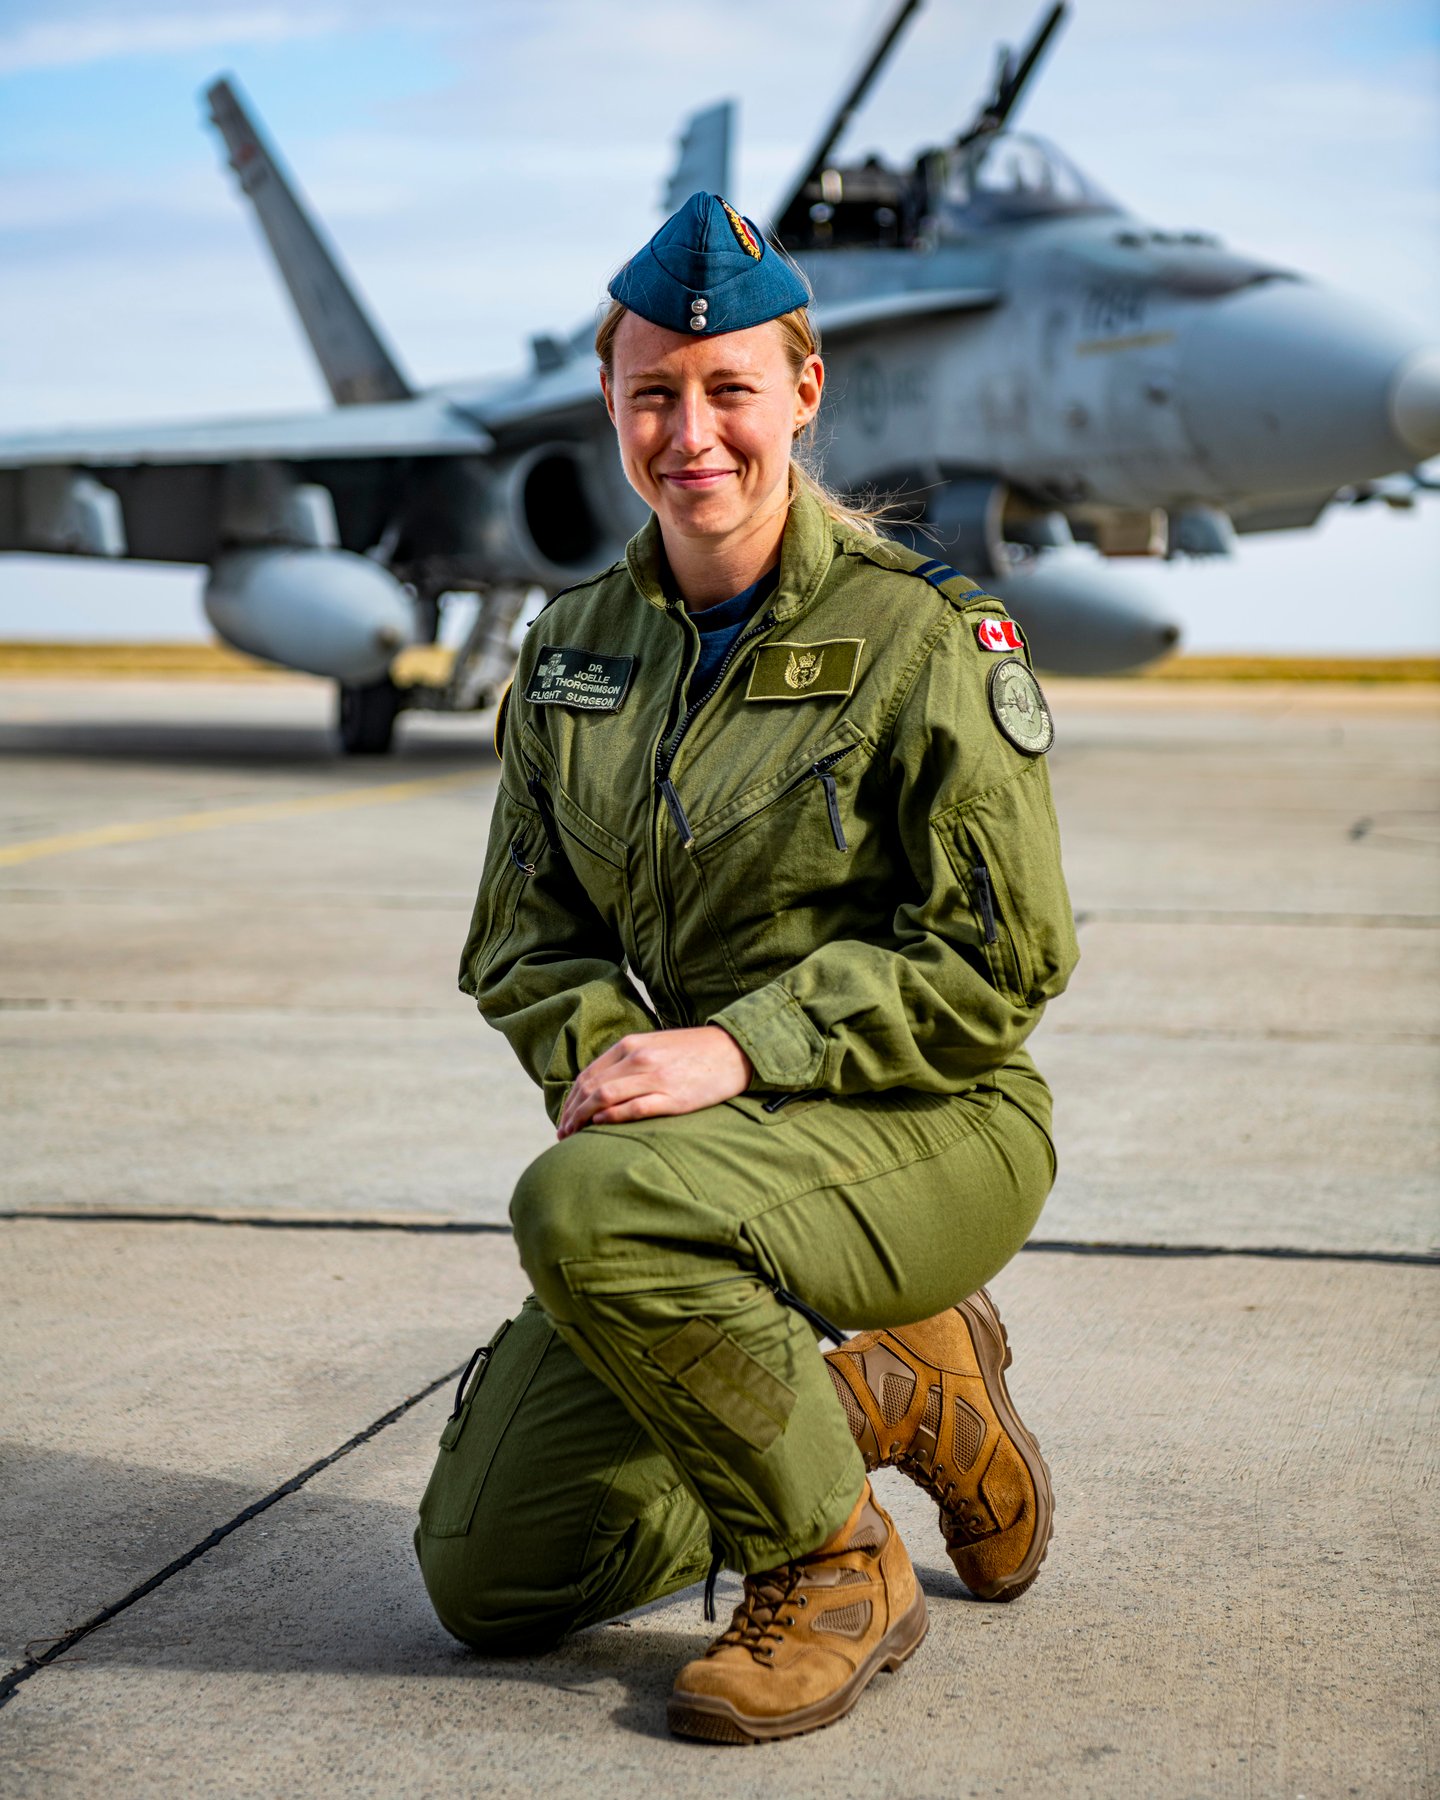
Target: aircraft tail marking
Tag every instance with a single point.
(354, 359)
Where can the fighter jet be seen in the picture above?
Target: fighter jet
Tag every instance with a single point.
(1016, 358)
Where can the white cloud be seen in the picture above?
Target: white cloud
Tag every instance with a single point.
(51, 43)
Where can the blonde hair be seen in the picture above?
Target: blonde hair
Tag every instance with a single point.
(800, 340)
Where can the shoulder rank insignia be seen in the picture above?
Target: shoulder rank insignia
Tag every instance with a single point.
(1020, 709)
(796, 671)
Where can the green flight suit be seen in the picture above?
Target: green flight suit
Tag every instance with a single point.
(838, 855)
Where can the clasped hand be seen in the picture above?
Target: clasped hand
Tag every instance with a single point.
(651, 1074)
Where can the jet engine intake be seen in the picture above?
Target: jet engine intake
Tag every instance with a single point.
(327, 612)
(964, 519)
(974, 522)
(550, 519)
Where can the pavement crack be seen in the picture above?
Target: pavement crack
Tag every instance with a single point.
(32, 1665)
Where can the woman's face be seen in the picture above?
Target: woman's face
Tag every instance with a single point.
(706, 423)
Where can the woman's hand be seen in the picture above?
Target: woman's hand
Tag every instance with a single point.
(652, 1074)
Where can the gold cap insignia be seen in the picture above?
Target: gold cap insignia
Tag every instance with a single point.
(744, 235)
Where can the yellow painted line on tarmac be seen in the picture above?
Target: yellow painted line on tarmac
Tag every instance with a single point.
(183, 824)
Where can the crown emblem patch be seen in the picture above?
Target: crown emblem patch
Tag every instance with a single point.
(802, 670)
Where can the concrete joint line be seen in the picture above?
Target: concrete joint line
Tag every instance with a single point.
(34, 1664)
(1214, 915)
(1409, 1259)
(203, 1008)
(1421, 1259)
(260, 1221)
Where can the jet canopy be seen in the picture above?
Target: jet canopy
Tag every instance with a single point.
(1006, 178)
(995, 179)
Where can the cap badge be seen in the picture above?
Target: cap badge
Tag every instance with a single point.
(744, 236)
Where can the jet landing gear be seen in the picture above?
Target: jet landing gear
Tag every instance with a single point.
(429, 677)
(366, 716)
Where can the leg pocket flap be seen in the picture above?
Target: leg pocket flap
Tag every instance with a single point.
(471, 1437)
(728, 1382)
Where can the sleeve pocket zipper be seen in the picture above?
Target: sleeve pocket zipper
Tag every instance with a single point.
(525, 868)
(536, 785)
(985, 898)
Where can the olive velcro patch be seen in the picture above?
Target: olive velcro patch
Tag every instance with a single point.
(1021, 710)
(728, 1382)
(796, 671)
(566, 676)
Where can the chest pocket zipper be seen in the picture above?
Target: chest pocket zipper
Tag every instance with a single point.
(821, 771)
(818, 771)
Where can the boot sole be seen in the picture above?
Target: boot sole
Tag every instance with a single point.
(716, 1721)
(992, 1345)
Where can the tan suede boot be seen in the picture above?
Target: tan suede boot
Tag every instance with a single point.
(931, 1399)
(806, 1638)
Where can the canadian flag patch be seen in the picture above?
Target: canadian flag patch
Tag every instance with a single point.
(999, 634)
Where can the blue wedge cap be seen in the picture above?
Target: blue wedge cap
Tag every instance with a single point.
(707, 269)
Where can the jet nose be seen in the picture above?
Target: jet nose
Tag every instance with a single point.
(1415, 402)
(1288, 388)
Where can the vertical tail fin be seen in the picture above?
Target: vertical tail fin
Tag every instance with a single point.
(703, 162)
(353, 357)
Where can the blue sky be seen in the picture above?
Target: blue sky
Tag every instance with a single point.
(484, 166)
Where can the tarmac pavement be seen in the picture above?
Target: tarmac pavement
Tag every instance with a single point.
(257, 1158)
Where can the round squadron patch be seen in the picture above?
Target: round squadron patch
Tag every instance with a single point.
(1020, 708)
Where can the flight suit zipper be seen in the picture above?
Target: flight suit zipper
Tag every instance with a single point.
(665, 754)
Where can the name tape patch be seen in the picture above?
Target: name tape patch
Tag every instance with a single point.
(796, 671)
(565, 676)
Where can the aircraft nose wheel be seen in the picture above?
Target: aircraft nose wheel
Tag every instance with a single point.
(366, 717)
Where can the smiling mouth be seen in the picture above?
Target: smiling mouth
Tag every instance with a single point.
(696, 478)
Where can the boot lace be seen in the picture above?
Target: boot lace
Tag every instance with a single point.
(760, 1616)
(961, 1520)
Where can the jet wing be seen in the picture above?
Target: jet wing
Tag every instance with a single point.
(889, 312)
(429, 426)
(178, 493)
